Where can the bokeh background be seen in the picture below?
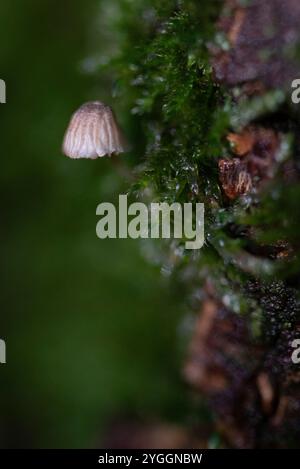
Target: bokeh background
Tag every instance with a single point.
(92, 329)
(118, 343)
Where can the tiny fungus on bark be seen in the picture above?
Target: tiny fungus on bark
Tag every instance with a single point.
(93, 132)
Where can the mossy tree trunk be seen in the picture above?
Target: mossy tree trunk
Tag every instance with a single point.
(205, 91)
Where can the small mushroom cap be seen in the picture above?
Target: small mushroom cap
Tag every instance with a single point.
(93, 132)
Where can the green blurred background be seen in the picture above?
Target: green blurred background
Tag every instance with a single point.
(91, 329)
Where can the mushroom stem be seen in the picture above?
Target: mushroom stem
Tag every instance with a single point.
(122, 169)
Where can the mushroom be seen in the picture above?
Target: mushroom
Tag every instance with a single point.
(93, 132)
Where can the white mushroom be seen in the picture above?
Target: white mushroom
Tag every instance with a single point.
(93, 132)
